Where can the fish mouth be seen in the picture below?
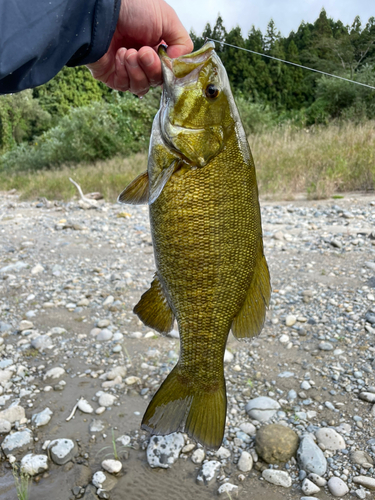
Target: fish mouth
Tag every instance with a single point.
(183, 66)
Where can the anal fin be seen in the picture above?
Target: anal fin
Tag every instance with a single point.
(153, 308)
(249, 321)
(137, 192)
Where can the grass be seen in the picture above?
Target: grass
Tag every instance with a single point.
(114, 452)
(319, 161)
(21, 480)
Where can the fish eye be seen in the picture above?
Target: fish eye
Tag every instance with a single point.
(212, 91)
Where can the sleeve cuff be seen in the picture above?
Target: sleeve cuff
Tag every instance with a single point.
(104, 24)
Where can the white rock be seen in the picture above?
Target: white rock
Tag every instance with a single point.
(85, 406)
(136, 335)
(33, 464)
(108, 301)
(337, 487)
(284, 339)
(262, 408)
(100, 410)
(222, 453)
(98, 479)
(107, 399)
(124, 440)
(188, 448)
(245, 463)
(42, 418)
(104, 335)
(277, 477)
(37, 269)
(367, 482)
(198, 456)
(309, 488)
(13, 414)
(5, 426)
(118, 371)
(163, 451)
(62, 450)
(331, 439)
(367, 396)
(318, 480)
(132, 380)
(248, 428)
(5, 376)
(228, 356)
(112, 466)
(290, 320)
(227, 488)
(208, 472)
(25, 325)
(56, 372)
(16, 441)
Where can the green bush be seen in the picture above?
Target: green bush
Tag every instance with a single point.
(98, 131)
(256, 117)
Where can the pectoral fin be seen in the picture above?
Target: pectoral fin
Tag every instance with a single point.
(137, 192)
(160, 181)
(153, 309)
(249, 321)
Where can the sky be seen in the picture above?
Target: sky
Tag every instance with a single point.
(287, 14)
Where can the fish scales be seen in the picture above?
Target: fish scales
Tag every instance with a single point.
(206, 228)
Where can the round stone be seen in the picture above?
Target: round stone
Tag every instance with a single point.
(277, 477)
(337, 487)
(262, 408)
(112, 466)
(330, 439)
(198, 456)
(245, 463)
(33, 464)
(276, 443)
(290, 320)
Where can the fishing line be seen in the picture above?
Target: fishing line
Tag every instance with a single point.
(292, 63)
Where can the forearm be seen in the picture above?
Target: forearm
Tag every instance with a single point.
(38, 38)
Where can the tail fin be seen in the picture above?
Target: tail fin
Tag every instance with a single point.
(180, 406)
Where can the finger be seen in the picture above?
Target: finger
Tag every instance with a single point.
(149, 61)
(174, 33)
(139, 83)
(121, 77)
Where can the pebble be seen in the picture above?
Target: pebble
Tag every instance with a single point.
(310, 457)
(277, 477)
(198, 456)
(97, 426)
(365, 481)
(309, 488)
(245, 463)
(361, 457)
(290, 320)
(98, 479)
(223, 453)
(208, 472)
(318, 480)
(248, 428)
(330, 439)
(325, 346)
(163, 451)
(16, 441)
(227, 488)
(85, 406)
(42, 418)
(34, 464)
(367, 396)
(54, 373)
(5, 426)
(104, 335)
(106, 399)
(112, 466)
(13, 414)
(262, 408)
(62, 450)
(337, 487)
(276, 443)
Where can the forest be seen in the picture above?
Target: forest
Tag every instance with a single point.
(73, 118)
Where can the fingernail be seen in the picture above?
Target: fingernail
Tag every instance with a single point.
(132, 61)
(147, 58)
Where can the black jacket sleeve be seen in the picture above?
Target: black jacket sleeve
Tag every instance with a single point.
(39, 37)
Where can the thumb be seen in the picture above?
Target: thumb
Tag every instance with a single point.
(174, 34)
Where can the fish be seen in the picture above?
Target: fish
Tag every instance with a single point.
(211, 272)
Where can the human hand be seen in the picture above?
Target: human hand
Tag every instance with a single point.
(131, 62)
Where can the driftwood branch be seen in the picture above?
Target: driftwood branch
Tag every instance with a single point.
(91, 203)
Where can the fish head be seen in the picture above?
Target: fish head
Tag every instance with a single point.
(195, 114)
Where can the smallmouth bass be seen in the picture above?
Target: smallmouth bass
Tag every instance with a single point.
(212, 275)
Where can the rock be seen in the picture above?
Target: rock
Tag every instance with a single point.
(228, 356)
(16, 441)
(262, 408)
(108, 301)
(277, 477)
(290, 320)
(208, 472)
(124, 440)
(37, 269)
(85, 406)
(56, 372)
(104, 335)
(112, 466)
(5, 376)
(276, 443)
(245, 463)
(198, 456)
(5, 426)
(132, 380)
(106, 399)
(337, 487)
(163, 451)
(310, 457)
(284, 339)
(25, 325)
(318, 480)
(367, 396)
(98, 479)
(97, 426)
(365, 481)
(361, 457)
(325, 346)
(13, 414)
(227, 488)
(309, 488)
(34, 464)
(5, 327)
(41, 342)
(103, 323)
(222, 453)
(62, 450)
(330, 439)
(248, 428)
(188, 448)
(42, 418)
(118, 371)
